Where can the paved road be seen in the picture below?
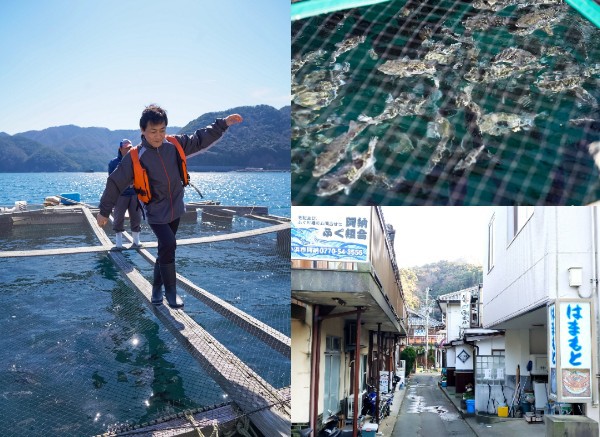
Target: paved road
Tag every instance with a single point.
(427, 412)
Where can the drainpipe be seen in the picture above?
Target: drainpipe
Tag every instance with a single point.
(379, 359)
(394, 358)
(315, 360)
(389, 360)
(476, 349)
(596, 299)
(356, 375)
(370, 357)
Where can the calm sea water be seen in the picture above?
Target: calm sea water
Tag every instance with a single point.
(234, 188)
(81, 353)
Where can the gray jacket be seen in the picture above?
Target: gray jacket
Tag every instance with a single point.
(163, 174)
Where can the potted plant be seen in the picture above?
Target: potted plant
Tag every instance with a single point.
(469, 394)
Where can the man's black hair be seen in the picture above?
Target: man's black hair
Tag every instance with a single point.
(153, 114)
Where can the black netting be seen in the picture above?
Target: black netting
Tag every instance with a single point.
(83, 353)
(445, 102)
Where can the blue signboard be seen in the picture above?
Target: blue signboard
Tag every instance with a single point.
(334, 233)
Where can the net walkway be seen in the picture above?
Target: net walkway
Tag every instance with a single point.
(433, 102)
(86, 353)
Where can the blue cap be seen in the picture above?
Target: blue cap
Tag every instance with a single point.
(125, 140)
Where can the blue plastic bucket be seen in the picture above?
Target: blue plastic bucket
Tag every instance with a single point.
(73, 196)
(470, 406)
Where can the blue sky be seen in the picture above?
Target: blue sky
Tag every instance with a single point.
(100, 63)
(426, 234)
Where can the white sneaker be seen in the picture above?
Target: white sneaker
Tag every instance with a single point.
(119, 240)
(136, 238)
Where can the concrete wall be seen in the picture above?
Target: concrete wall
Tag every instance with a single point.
(517, 281)
(517, 350)
(467, 365)
(532, 267)
(494, 343)
(301, 346)
(453, 321)
(451, 357)
(538, 341)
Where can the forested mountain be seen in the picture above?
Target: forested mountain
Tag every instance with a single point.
(64, 148)
(441, 277)
(262, 140)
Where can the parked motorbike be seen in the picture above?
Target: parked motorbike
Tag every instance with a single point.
(370, 404)
(369, 401)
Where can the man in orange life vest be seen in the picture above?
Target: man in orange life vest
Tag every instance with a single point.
(160, 160)
(127, 202)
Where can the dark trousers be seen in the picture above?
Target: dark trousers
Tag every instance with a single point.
(167, 243)
(127, 203)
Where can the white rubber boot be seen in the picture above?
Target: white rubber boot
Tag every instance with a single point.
(136, 238)
(119, 240)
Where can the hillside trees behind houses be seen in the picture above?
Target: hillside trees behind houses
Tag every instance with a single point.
(441, 277)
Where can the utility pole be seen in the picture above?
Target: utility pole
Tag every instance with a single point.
(426, 327)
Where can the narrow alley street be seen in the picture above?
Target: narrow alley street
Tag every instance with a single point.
(426, 411)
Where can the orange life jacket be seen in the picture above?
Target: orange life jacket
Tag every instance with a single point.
(140, 176)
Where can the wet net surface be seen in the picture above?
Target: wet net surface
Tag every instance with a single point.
(446, 102)
(83, 354)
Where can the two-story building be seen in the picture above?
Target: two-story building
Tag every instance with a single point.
(348, 311)
(472, 354)
(424, 331)
(541, 288)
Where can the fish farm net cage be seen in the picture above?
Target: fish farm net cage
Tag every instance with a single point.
(437, 102)
(84, 352)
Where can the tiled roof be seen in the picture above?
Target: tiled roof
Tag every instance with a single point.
(418, 319)
(455, 295)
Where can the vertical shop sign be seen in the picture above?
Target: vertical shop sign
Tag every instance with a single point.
(570, 325)
(465, 311)
(552, 349)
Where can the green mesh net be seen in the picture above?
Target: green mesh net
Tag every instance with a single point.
(446, 102)
(83, 353)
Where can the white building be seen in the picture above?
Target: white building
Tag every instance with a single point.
(472, 355)
(541, 288)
